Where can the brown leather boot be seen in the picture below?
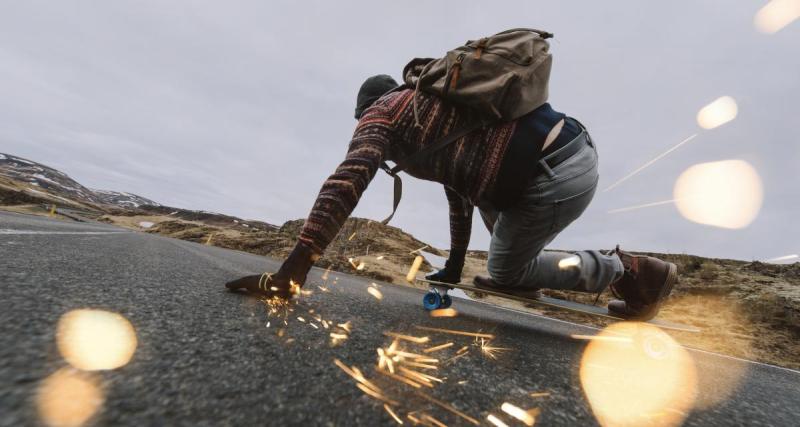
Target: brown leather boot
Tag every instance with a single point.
(484, 282)
(646, 283)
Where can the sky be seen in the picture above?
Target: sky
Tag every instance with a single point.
(245, 107)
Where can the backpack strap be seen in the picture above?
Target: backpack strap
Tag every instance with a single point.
(402, 164)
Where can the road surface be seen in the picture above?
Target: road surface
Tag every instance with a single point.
(206, 356)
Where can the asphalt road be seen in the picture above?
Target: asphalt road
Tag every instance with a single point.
(206, 357)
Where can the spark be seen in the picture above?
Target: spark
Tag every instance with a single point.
(602, 338)
(392, 414)
(334, 335)
(375, 292)
(351, 236)
(426, 360)
(416, 340)
(650, 163)
(345, 326)
(455, 332)
(496, 421)
(448, 408)
(301, 319)
(360, 266)
(268, 324)
(647, 205)
(403, 380)
(518, 413)
(539, 394)
(462, 382)
(487, 349)
(419, 365)
(325, 274)
(412, 272)
(380, 257)
(438, 347)
(322, 288)
(417, 250)
(422, 377)
(294, 288)
(376, 394)
(444, 312)
(324, 324)
(717, 113)
(315, 326)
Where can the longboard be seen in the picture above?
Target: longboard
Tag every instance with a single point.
(437, 298)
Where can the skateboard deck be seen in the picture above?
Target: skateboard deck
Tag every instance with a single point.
(442, 300)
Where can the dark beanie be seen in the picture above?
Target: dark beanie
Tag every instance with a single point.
(371, 90)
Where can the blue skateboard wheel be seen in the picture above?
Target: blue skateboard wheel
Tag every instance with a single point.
(431, 301)
(446, 301)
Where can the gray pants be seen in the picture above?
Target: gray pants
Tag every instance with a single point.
(550, 203)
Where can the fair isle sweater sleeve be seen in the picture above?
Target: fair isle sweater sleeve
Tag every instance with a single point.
(342, 190)
(460, 220)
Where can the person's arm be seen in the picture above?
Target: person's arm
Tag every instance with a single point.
(336, 200)
(460, 230)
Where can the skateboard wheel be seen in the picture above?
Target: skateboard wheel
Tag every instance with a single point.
(431, 301)
(446, 301)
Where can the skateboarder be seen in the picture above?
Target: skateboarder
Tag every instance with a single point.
(525, 204)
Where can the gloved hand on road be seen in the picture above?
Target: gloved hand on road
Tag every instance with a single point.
(293, 272)
(451, 273)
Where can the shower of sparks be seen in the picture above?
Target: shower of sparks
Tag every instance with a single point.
(375, 293)
(602, 338)
(783, 258)
(438, 347)
(412, 272)
(647, 205)
(455, 332)
(448, 408)
(416, 340)
(657, 158)
(444, 312)
(496, 421)
(489, 350)
(392, 414)
(518, 413)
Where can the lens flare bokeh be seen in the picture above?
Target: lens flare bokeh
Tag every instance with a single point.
(93, 340)
(725, 194)
(69, 398)
(717, 113)
(636, 374)
(776, 15)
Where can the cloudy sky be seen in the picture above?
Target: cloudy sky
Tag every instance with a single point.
(245, 107)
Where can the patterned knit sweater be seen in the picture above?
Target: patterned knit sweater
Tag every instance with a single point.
(468, 168)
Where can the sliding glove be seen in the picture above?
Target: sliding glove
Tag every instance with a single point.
(451, 273)
(283, 284)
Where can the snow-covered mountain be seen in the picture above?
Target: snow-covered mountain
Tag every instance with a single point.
(122, 199)
(43, 180)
